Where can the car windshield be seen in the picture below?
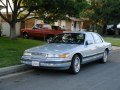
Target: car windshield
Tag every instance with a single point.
(69, 38)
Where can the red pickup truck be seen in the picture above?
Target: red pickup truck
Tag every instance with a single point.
(42, 31)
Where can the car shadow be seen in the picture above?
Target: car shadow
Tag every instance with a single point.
(84, 67)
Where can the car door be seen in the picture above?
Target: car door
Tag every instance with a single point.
(36, 32)
(99, 43)
(89, 48)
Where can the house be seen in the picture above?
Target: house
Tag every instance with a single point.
(6, 28)
(73, 24)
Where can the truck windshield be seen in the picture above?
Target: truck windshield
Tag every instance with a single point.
(69, 38)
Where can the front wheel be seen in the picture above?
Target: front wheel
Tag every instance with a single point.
(75, 65)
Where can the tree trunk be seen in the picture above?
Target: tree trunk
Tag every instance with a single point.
(13, 31)
(0, 33)
(0, 30)
(104, 32)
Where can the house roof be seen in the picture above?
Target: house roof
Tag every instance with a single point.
(78, 19)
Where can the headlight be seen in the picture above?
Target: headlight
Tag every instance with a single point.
(63, 55)
(27, 54)
(57, 56)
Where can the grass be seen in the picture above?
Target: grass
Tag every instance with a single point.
(114, 41)
(12, 50)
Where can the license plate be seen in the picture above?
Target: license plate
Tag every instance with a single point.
(35, 63)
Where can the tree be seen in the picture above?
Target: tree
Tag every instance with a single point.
(53, 10)
(48, 10)
(103, 12)
(111, 13)
(93, 12)
(0, 29)
(17, 7)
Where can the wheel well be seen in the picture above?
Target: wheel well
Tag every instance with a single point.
(25, 33)
(79, 56)
(50, 35)
(107, 50)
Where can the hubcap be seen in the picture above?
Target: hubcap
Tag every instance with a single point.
(25, 36)
(77, 64)
(105, 56)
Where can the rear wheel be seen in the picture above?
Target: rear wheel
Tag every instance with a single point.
(75, 65)
(25, 35)
(105, 57)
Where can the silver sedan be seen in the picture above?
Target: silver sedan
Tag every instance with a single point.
(68, 51)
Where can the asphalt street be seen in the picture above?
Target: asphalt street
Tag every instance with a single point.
(93, 76)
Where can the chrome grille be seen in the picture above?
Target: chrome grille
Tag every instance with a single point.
(39, 55)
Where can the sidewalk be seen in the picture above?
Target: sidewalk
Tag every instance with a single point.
(115, 48)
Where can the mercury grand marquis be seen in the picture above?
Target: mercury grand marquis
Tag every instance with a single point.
(68, 51)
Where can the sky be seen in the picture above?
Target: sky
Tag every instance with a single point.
(4, 10)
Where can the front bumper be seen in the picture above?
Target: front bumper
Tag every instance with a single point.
(51, 63)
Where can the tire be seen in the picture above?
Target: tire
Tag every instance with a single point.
(25, 35)
(105, 57)
(49, 37)
(75, 65)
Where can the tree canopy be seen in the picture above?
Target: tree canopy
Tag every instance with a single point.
(53, 10)
(103, 12)
(111, 11)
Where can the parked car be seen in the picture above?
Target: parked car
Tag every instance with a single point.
(44, 31)
(68, 51)
(118, 26)
(111, 29)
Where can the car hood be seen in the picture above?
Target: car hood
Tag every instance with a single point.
(53, 48)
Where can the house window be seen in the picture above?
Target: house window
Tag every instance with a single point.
(75, 24)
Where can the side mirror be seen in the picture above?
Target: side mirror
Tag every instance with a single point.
(89, 42)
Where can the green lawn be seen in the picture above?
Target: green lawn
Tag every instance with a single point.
(12, 50)
(114, 41)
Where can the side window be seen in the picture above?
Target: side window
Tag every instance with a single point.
(89, 38)
(97, 38)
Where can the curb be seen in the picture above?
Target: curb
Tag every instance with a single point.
(115, 48)
(14, 69)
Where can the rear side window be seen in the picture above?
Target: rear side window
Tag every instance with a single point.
(97, 38)
(89, 37)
